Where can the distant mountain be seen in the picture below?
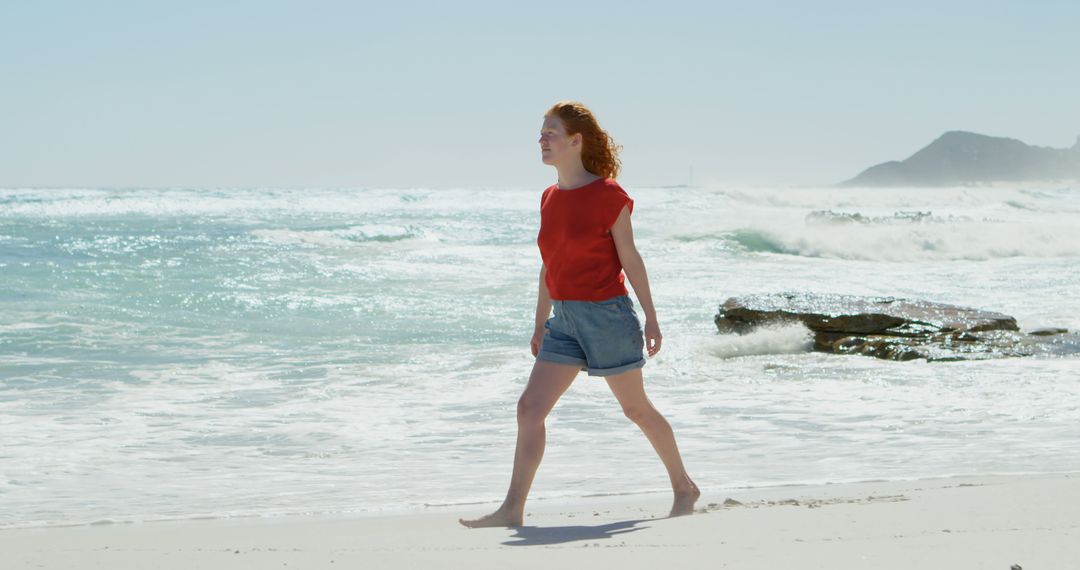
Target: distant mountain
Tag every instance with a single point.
(960, 157)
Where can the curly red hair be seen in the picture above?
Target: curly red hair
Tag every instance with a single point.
(599, 153)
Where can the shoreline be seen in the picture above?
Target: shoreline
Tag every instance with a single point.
(967, 521)
(567, 500)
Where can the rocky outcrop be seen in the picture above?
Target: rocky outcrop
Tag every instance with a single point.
(960, 157)
(893, 328)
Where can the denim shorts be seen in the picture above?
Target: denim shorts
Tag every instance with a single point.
(603, 337)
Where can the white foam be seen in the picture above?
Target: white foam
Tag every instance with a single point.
(783, 339)
(951, 223)
(975, 240)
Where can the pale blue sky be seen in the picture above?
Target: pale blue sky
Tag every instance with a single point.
(439, 94)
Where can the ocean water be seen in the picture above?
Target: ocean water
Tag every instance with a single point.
(188, 353)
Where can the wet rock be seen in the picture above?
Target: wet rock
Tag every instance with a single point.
(894, 328)
(1050, 331)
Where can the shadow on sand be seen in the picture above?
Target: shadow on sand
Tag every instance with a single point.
(537, 535)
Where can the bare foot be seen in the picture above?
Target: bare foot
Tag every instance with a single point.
(684, 501)
(497, 518)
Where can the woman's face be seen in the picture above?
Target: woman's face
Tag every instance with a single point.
(555, 145)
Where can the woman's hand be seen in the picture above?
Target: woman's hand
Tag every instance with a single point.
(653, 337)
(537, 338)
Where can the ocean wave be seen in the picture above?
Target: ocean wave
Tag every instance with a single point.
(973, 240)
(64, 203)
(780, 339)
(249, 202)
(1053, 200)
(343, 237)
(901, 217)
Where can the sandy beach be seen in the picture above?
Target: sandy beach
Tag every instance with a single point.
(976, 522)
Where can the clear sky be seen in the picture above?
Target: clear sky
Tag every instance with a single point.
(442, 94)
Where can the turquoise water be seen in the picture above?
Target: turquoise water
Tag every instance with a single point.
(194, 352)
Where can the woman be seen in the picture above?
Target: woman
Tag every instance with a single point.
(586, 243)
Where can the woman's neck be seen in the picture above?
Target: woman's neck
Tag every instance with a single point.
(574, 177)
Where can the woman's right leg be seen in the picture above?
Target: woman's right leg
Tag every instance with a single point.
(547, 382)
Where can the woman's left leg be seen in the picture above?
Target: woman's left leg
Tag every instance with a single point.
(629, 390)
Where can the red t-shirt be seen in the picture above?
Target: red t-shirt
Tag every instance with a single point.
(579, 253)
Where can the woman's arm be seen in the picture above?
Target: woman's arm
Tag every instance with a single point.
(634, 267)
(543, 300)
(543, 309)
